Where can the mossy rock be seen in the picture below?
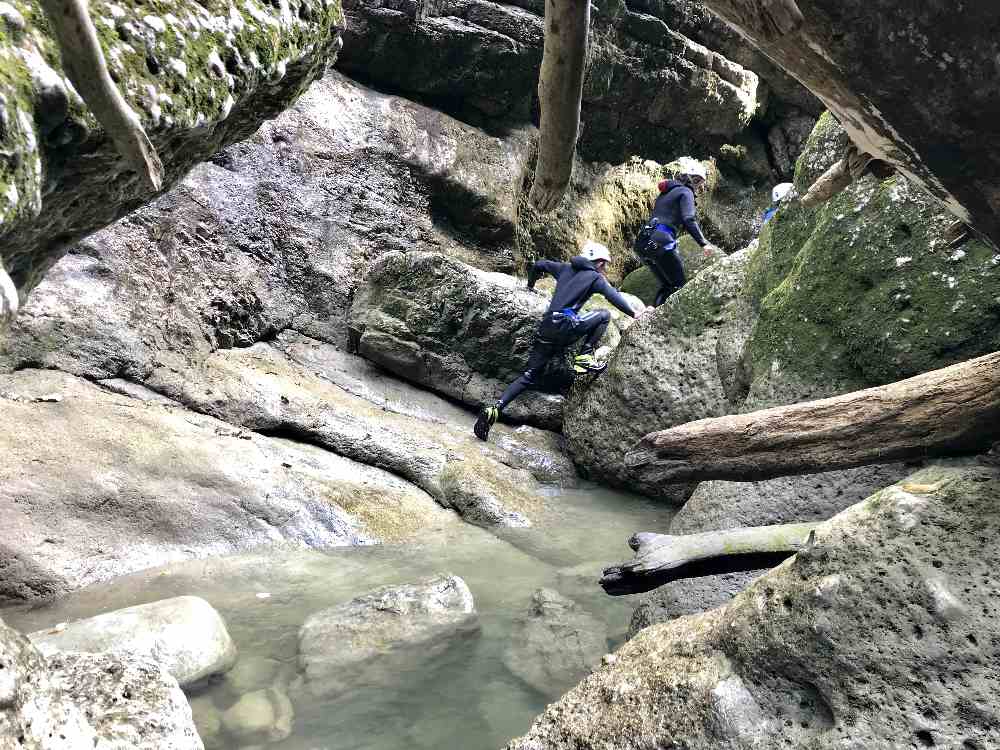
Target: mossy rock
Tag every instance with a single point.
(868, 288)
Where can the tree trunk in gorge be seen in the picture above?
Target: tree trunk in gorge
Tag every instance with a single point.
(87, 70)
(661, 558)
(560, 90)
(944, 412)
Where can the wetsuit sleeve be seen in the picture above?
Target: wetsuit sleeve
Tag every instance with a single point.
(540, 267)
(615, 297)
(687, 216)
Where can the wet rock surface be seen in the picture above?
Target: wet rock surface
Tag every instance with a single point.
(555, 644)
(227, 490)
(184, 635)
(102, 701)
(371, 638)
(807, 653)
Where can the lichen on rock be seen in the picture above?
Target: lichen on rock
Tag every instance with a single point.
(198, 75)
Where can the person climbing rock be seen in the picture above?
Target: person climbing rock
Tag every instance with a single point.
(656, 244)
(778, 194)
(562, 324)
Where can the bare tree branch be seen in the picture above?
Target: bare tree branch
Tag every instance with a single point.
(661, 558)
(560, 90)
(87, 70)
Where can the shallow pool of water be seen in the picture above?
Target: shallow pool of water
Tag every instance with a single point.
(468, 699)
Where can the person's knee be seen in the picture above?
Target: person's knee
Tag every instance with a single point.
(602, 317)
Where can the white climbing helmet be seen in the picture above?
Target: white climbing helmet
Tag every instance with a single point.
(692, 167)
(781, 191)
(594, 251)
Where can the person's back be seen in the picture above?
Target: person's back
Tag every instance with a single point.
(562, 324)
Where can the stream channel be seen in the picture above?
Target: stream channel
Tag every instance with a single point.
(468, 698)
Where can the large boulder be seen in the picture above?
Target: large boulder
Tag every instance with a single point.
(184, 635)
(880, 634)
(463, 332)
(261, 389)
(372, 638)
(142, 483)
(875, 79)
(197, 80)
(555, 643)
(647, 90)
(100, 701)
(274, 233)
(676, 366)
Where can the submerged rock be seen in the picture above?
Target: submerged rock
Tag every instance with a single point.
(77, 700)
(184, 635)
(880, 634)
(373, 638)
(261, 716)
(555, 644)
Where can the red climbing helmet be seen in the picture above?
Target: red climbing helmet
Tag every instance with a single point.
(662, 185)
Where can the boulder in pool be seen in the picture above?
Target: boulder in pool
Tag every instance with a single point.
(373, 638)
(184, 634)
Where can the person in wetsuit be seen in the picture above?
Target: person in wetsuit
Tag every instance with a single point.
(673, 211)
(562, 324)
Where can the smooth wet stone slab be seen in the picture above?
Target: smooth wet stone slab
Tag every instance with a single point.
(184, 634)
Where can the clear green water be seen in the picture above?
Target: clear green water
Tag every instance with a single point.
(468, 699)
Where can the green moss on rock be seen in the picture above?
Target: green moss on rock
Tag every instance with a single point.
(199, 75)
(868, 287)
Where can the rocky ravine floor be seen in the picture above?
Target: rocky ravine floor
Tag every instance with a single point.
(223, 463)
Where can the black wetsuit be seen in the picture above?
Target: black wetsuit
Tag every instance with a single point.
(656, 244)
(562, 324)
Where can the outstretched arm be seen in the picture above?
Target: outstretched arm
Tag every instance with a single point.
(540, 267)
(615, 297)
(688, 217)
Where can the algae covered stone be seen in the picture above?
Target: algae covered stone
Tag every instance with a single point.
(197, 75)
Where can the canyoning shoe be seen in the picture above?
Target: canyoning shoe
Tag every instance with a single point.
(584, 363)
(488, 417)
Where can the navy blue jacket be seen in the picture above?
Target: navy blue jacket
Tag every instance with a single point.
(675, 207)
(576, 282)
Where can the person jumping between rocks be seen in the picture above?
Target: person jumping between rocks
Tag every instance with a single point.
(562, 324)
(656, 244)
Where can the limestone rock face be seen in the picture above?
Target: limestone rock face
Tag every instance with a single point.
(184, 635)
(100, 701)
(666, 371)
(197, 79)
(555, 644)
(648, 89)
(275, 232)
(373, 637)
(882, 634)
(111, 509)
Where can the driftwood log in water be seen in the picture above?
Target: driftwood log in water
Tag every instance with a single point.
(560, 90)
(951, 411)
(83, 60)
(661, 558)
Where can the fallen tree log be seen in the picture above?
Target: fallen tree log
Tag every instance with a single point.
(951, 411)
(560, 91)
(661, 558)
